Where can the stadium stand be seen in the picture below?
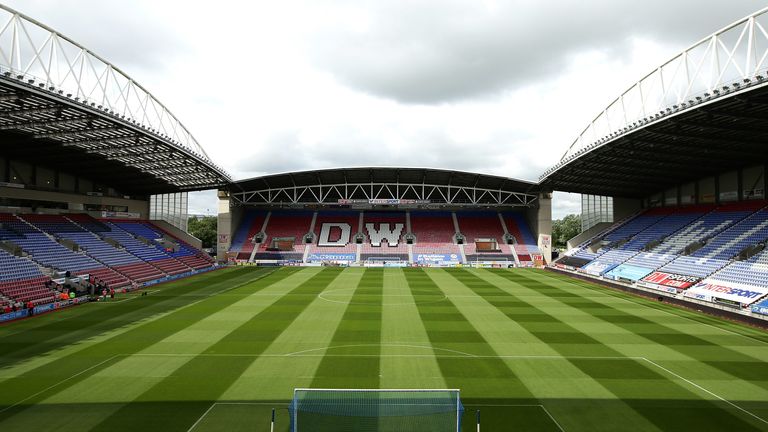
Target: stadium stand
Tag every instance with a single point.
(117, 253)
(484, 235)
(22, 281)
(335, 239)
(730, 242)
(284, 233)
(434, 233)
(525, 244)
(379, 224)
(698, 251)
(663, 228)
(753, 273)
(171, 246)
(692, 266)
(242, 241)
(708, 226)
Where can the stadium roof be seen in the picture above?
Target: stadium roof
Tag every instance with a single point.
(64, 107)
(436, 185)
(703, 112)
(713, 138)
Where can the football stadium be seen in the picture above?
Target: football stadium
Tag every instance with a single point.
(382, 298)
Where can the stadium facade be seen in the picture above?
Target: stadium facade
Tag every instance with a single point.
(672, 175)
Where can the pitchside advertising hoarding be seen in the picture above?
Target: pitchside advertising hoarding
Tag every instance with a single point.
(436, 258)
(332, 257)
(628, 272)
(709, 289)
(761, 308)
(669, 282)
(596, 268)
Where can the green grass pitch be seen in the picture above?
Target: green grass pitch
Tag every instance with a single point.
(532, 350)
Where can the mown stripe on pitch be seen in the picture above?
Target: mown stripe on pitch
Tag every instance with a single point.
(403, 332)
(360, 325)
(685, 316)
(738, 364)
(31, 387)
(284, 366)
(177, 401)
(612, 374)
(464, 372)
(29, 344)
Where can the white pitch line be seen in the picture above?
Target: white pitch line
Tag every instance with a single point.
(59, 383)
(194, 425)
(552, 417)
(705, 390)
(135, 325)
(273, 404)
(633, 301)
(299, 353)
(546, 411)
(460, 355)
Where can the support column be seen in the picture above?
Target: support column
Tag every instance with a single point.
(224, 227)
(540, 220)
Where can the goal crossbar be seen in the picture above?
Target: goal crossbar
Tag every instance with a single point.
(376, 410)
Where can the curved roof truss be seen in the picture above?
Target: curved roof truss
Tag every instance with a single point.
(726, 63)
(385, 186)
(54, 89)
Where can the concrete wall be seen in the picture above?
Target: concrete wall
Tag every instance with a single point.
(225, 227)
(586, 235)
(76, 201)
(187, 237)
(625, 207)
(540, 219)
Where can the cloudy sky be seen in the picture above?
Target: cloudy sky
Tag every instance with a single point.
(490, 86)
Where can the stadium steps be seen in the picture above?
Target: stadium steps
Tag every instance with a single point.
(581, 251)
(435, 233)
(481, 225)
(196, 252)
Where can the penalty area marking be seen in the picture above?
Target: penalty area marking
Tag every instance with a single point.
(546, 411)
(276, 405)
(305, 353)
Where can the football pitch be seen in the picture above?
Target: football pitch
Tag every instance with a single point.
(532, 350)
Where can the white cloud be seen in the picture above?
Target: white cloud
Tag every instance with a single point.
(498, 87)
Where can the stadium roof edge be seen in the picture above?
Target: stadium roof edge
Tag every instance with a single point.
(377, 184)
(678, 121)
(530, 185)
(118, 109)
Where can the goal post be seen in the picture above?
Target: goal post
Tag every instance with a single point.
(376, 410)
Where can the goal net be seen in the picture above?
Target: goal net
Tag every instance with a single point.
(379, 410)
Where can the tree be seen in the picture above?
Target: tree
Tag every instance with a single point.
(565, 229)
(203, 228)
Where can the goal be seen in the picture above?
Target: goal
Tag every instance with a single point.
(376, 410)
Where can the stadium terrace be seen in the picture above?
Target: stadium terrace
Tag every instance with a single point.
(382, 298)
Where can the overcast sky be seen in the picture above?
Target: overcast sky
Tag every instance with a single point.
(497, 87)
